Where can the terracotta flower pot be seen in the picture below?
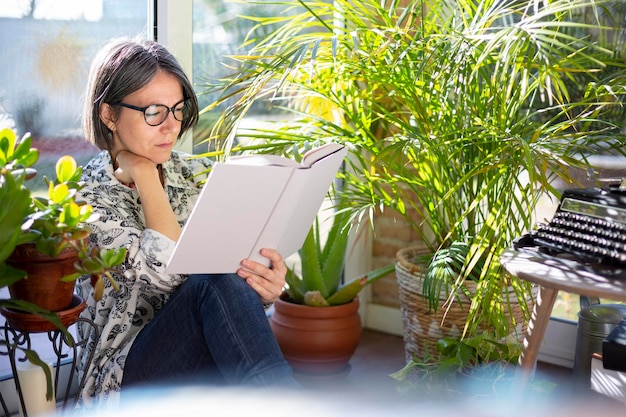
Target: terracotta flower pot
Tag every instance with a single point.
(317, 340)
(43, 285)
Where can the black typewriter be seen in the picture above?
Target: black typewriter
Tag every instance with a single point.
(589, 226)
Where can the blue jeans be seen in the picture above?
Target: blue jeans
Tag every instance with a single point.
(213, 330)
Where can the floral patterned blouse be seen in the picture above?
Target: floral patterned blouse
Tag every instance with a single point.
(144, 284)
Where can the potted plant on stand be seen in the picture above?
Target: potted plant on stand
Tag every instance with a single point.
(53, 227)
(459, 116)
(45, 245)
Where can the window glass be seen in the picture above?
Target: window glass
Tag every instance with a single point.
(47, 47)
(219, 30)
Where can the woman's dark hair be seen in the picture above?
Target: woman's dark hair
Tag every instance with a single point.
(121, 67)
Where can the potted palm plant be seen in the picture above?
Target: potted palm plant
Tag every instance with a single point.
(460, 116)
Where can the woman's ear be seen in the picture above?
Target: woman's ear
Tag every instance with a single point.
(107, 115)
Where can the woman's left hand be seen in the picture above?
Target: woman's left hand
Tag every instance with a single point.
(268, 282)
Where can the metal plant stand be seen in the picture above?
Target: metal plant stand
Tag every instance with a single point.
(15, 339)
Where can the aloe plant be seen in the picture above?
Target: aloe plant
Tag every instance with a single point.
(322, 258)
(464, 112)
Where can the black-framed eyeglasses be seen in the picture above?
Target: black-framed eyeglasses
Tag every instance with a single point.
(155, 114)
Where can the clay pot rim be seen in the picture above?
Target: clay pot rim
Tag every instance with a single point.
(297, 309)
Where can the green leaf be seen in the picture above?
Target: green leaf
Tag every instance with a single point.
(447, 346)
(58, 193)
(113, 257)
(333, 254)
(71, 277)
(30, 158)
(295, 287)
(14, 207)
(24, 154)
(89, 266)
(311, 268)
(86, 214)
(467, 354)
(49, 246)
(349, 291)
(65, 168)
(7, 144)
(71, 214)
(10, 275)
(33, 358)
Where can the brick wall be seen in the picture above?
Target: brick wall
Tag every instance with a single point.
(392, 233)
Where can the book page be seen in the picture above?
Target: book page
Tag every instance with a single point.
(317, 154)
(308, 159)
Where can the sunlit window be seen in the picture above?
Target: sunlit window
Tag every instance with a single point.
(47, 46)
(219, 30)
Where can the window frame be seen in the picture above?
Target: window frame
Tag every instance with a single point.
(171, 24)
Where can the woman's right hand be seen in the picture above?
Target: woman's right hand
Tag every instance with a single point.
(130, 167)
(142, 174)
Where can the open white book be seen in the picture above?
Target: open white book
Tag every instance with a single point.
(252, 202)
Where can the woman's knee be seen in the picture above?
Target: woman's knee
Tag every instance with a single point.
(221, 284)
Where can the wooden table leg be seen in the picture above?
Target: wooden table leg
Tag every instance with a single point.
(537, 326)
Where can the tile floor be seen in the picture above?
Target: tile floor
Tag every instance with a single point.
(380, 354)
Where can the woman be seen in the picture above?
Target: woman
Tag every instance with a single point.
(160, 328)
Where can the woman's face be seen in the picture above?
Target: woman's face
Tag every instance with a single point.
(130, 130)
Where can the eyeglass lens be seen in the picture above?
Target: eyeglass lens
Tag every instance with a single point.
(157, 113)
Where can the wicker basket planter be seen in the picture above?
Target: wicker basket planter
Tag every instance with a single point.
(422, 326)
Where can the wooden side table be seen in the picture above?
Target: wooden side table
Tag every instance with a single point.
(553, 274)
(16, 334)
